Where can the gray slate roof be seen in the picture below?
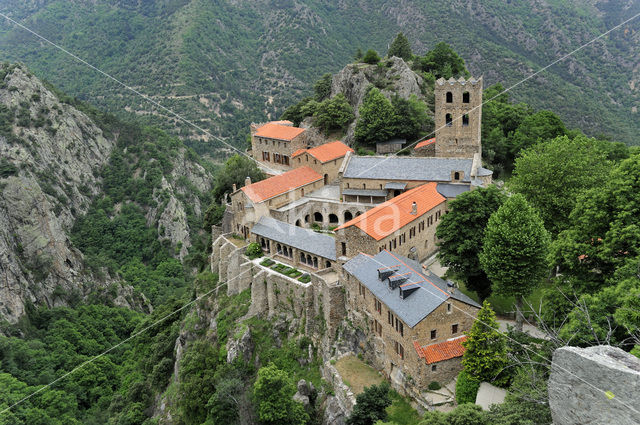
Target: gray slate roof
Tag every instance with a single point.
(297, 237)
(449, 190)
(431, 290)
(407, 168)
(365, 192)
(483, 172)
(395, 185)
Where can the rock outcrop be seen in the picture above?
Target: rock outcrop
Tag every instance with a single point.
(595, 385)
(392, 76)
(51, 157)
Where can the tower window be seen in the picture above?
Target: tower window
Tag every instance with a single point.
(456, 176)
(465, 97)
(448, 120)
(465, 120)
(449, 97)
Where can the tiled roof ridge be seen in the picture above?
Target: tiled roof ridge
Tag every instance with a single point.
(274, 130)
(425, 278)
(253, 191)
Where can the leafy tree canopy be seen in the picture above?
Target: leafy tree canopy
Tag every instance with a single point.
(400, 47)
(553, 173)
(322, 88)
(376, 121)
(235, 171)
(333, 114)
(410, 117)
(371, 405)
(461, 235)
(371, 57)
(514, 251)
(443, 61)
(273, 392)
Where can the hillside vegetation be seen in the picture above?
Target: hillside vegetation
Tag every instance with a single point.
(225, 64)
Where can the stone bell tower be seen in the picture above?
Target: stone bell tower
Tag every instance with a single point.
(458, 116)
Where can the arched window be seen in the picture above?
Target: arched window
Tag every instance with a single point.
(465, 97)
(303, 259)
(465, 120)
(333, 218)
(303, 191)
(306, 218)
(456, 176)
(317, 216)
(448, 120)
(347, 216)
(298, 223)
(315, 262)
(327, 264)
(449, 97)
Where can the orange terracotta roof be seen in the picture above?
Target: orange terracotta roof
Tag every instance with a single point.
(277, 185)
(329, 151)
(441, 351)
(298, 152)
(425, 143)
(278, 131)
(381, 221)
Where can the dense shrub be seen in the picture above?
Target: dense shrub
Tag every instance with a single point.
(466, 388)
(253, 250)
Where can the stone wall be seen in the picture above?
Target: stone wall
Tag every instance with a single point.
(319, 303)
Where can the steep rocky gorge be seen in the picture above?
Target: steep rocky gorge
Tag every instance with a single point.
(52, 156)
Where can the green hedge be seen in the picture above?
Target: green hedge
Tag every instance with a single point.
(466, 388)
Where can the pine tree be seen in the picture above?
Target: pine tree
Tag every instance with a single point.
(486, 348)
(514, 251)
(400, 48)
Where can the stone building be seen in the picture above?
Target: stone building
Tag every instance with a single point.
(273, 144)
(425, 148)
(405, 225)
(390, 146)
(325, 159)
(377, 178)
(255, 200)
(294, 245)
(414, 321)
(458, 116)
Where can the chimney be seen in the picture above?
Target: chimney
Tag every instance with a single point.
(247, 181)
(414, 209)
(234, 187)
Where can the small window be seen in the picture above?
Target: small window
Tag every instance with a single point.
(434, 368)
(456, 176)
(449, 120)
(343, 245)
(465, 120)
(465, 97)
(454, 329)
(449, 97)
(448, 307)
(434, 334)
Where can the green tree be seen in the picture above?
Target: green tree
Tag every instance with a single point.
(296, 113)
(466, 388)
(235, 171)
(273, 392)
(371, 57)
(358, 54)
(461, 235)
(411, 118)
(485, 354)
(514, 251)
(371, 405)
(333, 114)
(464, 414)
(400, 47)
(604, 230)
(224, 404)
(197, 381)
(322, 88)
(551, 175)
(377, 117)
(443, 61)
(537, 127)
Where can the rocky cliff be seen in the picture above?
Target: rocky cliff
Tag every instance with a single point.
(51, 160)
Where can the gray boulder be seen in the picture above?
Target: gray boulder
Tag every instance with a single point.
(595, 385)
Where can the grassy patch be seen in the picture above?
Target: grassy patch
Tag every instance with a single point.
(305, 278)
(356, 374)
(504, 305)
(267, 262)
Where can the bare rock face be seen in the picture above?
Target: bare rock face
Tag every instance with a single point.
(50, 154)
(595, 385)
(391, 76)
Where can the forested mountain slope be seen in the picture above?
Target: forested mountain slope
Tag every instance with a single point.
(224, 64)
(88, 202)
